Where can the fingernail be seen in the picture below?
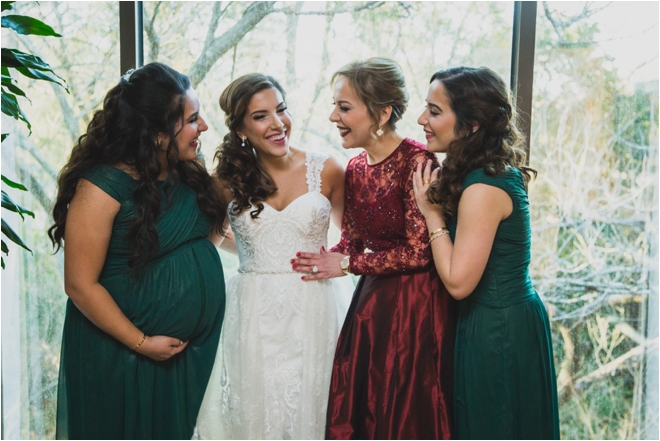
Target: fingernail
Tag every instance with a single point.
(294, 267)
(293, 260)
(297, 254)
(322, 247)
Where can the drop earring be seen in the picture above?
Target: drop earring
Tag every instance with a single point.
(379, 132)
(243, 142)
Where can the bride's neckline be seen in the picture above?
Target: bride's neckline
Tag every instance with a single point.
(295, 200)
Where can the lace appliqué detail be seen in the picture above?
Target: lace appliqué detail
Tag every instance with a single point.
(273, 367)
(381, 215)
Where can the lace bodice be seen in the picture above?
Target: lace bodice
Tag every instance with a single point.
(267, 244)
(382, 229)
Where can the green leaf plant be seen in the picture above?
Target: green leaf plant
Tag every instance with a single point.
(33, 67)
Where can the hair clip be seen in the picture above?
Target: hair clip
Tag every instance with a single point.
(127, 76)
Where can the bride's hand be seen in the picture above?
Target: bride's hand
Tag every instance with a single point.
(421, 183)
(327, 265)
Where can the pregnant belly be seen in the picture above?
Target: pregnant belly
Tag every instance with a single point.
(180, 295)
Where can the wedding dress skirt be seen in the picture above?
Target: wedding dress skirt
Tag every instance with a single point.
(274, 361)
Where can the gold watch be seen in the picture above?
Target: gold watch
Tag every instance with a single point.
(345, 265)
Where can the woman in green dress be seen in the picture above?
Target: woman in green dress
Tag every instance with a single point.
(477, 213)
(134, 212)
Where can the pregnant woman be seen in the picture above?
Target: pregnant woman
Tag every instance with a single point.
(134, 212)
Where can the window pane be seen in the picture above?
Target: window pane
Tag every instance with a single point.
(303, 43)
(33, 298)
(594, 205)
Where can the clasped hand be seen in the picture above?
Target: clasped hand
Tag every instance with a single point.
(421, 183)
(327, 265)
(161, 347)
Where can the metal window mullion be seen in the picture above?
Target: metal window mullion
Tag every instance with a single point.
(130, 36)
(522, 65)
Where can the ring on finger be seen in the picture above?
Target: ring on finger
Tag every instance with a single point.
(315, 269)
(426, 181)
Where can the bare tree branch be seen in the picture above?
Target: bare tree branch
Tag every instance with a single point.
(292, 31)
(561, 25)
(220, 45)
(28, 146)
(613, 365)
(325, 62)
(213, 25)
(152, 35)
(368, 6)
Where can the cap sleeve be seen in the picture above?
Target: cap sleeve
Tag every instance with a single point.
(111, 180)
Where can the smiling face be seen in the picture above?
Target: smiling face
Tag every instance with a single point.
(267, 123)
(190, 128)
(356, 127)
(438, 119)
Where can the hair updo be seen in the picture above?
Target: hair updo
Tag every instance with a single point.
(479, 98)
(238, 165)
(378, 82)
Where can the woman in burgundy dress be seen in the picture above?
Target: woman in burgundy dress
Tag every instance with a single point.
(393, 369)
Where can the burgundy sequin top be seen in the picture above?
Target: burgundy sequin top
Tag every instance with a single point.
(382, 229)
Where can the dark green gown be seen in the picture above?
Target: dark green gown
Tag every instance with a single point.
(108, 391)
(505, 385)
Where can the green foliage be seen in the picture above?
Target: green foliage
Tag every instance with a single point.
(32, 67)
(25, 25)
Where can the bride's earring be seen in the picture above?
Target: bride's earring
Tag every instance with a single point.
(379, 132)
(243, 143)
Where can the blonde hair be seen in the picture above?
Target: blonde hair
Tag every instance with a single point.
(378, 82)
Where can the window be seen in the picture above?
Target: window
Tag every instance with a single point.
(33, 298)
(595, 207)
(594, 142)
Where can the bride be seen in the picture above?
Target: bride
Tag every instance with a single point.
(272, 370)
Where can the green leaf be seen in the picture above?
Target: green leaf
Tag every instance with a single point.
(12, 206)
(25, 25)
(4, 136)
(11, 235)
(38, 75)
(2, 259)
(11, 87)
(5, 72)
(13, 184)
(6, 6)
(11, 108)
(4, 248)
(15, 58)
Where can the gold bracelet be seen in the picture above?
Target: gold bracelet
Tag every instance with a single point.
(442, 232)
(437, 231)
(144, 337)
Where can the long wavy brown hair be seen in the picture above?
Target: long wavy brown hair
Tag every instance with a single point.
(149, 101)
(238, 164)
(478, 97)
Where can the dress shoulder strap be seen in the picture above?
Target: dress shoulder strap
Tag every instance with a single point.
(315, 162)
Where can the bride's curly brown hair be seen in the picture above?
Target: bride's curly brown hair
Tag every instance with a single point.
(479, 98)
(238, 164)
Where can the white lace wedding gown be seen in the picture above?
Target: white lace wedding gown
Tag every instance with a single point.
(272, 370)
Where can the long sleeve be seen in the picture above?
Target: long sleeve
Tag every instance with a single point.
(383, 230)
(350, 242)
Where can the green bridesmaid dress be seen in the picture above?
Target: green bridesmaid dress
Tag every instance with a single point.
(505, 385)
(108, 391)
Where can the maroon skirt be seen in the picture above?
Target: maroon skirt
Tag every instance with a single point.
(392, 376)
